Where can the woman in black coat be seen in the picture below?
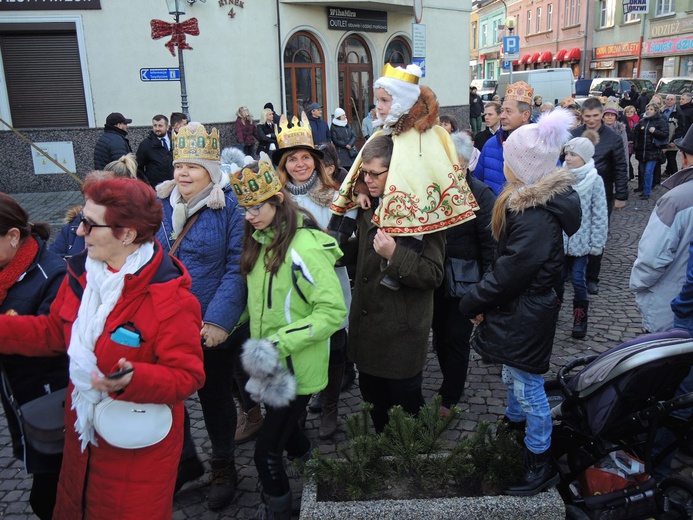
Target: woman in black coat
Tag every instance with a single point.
(471, 245)
(649, 136)
(30, 276)
(344, 138)
(267, 139)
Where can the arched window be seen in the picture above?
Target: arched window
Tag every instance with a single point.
(398, 52)
(304, 73)
(355, 80)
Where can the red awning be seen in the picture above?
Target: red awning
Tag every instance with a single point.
(573, 54)
(560, 55)
(546, 57)
(516, 62)
(525, 59)
(535, 58)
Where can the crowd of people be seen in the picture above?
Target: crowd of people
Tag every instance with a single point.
(259, 275)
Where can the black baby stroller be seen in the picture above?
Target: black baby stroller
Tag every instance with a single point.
(606, 422)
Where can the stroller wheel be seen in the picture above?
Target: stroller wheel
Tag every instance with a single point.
(575, 513)
(678, 492)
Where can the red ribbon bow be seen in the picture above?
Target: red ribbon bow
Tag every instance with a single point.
(177, 31)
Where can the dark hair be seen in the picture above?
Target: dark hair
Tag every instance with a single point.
(284, 226)
(129, 203)
(379, 147)
(330, 156)
(177, 117)
(319, 168)
(371, 107)
(591, 103)
(12, 215)
(160, 117)
(494, 104)
(451, 120)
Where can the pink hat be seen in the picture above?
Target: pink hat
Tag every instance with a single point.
(532, 151)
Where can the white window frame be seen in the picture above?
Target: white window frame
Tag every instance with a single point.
(606, 13)
(529, 23)
(665, 7)
(538, 19)
(549, 17)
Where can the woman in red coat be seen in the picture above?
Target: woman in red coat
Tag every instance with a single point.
(122, 285)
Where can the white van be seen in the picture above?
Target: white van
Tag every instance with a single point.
(552, 85)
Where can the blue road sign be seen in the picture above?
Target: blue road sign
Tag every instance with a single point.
(511, 44)
(160, 74)
(506, 65)
(421, 62)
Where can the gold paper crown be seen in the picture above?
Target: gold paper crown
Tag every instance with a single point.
(393, 72)
(196, 145)
(251, 187)
(520, 91)
(297, 135)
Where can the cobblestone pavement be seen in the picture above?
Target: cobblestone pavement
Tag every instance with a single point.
(613, 319)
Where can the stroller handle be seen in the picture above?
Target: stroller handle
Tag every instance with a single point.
(565, 370)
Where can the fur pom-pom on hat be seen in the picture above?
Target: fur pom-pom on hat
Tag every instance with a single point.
(583, 146)
(532, 151)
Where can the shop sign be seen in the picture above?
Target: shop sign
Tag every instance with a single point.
(619, 49)
(343, 19)
(671, 27)
(48, 5)
(599, 65)
(671, 46)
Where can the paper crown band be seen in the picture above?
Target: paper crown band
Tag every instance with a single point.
(298, 135)
(396, 73)
(251, 187)
(196, 145)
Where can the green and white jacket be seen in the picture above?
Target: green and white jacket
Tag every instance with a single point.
(301, 306)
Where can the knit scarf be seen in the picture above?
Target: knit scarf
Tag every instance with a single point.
(317, 192)
(183, 210)
(102, 292)
(585, 175)
(18, 265)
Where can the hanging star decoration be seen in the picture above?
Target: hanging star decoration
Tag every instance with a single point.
(176, 31)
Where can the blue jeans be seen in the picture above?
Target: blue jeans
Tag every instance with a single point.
(527, 401)
(577, 267)
(646, 169)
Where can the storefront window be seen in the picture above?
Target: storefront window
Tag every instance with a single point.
(355, 80)
(398, 52)
(304, 73)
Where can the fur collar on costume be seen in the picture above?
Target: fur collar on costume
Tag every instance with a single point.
(422, 116)
(527, 196)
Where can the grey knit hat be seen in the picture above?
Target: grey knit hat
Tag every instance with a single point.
(583, 146)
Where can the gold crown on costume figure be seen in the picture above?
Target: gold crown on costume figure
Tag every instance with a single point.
(193, 142)
(520, 91)
(251, 187)
(297, 135)
(397, 73)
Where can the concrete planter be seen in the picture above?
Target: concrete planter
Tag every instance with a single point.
(544, 506)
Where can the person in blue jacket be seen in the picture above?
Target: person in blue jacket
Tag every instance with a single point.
(202, 228)
(30, 277)
(321, 132)
(515, 112)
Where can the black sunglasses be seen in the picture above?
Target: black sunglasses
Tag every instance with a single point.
(89, 225)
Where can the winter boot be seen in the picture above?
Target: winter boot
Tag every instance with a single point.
(223, 487)
(315, 405)
(249, 423)
(539, 473)
(189, 469)
(330, 402)
(349, 375)
(275, 508)
(580, 308)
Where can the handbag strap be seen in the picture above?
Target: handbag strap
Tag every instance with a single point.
(7, 390)
(186, 228)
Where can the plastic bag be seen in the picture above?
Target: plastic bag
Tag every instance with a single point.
(618, 470)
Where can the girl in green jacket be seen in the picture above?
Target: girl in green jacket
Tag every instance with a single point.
(295, 304)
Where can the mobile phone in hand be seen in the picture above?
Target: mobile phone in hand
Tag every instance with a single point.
(120, 373)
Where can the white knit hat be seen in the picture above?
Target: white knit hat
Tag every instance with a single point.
(532, 151)
(338, 112)
(402, 85)
(583, 146)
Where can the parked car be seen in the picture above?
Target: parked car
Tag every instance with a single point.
(677, 86)
(553, 85)
(582, 90)
(484, 87)
(620, 86)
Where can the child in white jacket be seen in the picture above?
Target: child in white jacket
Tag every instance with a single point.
(591, 237)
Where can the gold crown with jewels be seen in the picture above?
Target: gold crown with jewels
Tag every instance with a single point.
(251, 187)
(520, 91)
(297, 135)
(193, 142)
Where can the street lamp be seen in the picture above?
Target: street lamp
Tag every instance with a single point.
(510, 23)
(177, 9)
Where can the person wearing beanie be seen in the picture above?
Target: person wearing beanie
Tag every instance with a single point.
(515, 304)
(594, 226)
(469, 251)
(611, 118)
(649, 135)
(516, 111)
(202, 228)
(344, 138)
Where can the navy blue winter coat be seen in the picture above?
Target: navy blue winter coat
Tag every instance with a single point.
(489, 168)
(67, 243)
(30, 377)
(111, 146)
(211, 252)
(320, 130)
